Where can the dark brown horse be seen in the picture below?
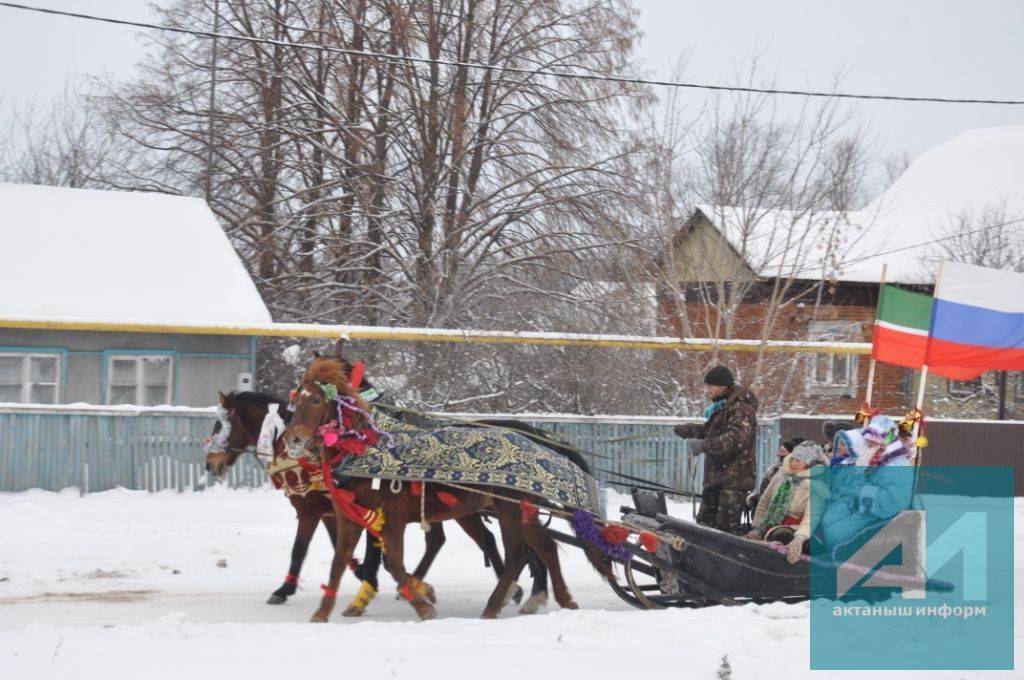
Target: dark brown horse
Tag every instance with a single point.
(360, 504)
(240, 417)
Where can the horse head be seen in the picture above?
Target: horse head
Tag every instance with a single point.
(315, 405)
(237, 430)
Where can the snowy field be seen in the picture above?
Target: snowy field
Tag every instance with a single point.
(126, 584)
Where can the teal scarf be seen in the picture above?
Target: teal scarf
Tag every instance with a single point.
(713, 408)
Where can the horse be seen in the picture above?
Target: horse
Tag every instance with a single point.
(361, 503)
(240, 419)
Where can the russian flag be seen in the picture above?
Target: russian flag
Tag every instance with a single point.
(977, 319)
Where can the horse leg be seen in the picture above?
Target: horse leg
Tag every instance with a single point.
(367, 575)
(474, 527)
(348, 537)
(410, 587)
(330, 525)
(515, 556)
(435, 540)
(539, 593)
(546, 549)
(303, 535)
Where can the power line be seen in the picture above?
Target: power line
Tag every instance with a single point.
(503, 69)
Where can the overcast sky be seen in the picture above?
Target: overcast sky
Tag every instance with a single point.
(947, 48)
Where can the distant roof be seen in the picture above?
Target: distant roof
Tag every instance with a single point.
(975, 170)
(83, 254)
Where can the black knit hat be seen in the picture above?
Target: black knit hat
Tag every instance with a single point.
(791, 444)
(721, 376)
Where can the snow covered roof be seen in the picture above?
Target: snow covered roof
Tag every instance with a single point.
(89, 255)
(975, 170)
(784, 243)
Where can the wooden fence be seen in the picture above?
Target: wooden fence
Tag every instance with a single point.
(100, 448)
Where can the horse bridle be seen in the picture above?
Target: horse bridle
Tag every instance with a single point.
(325, 418)
(225, 418)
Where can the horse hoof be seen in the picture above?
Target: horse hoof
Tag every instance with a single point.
(517, 593)
(488, 615)
(426, 611)
(353, 611)
(318, 618)
(431, 595)
(276, 599)
(534, 603)
(570, 605)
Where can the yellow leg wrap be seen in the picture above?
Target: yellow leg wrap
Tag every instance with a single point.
(414, 588)
(365, 596)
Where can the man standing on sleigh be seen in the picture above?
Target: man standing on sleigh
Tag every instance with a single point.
(727, 439)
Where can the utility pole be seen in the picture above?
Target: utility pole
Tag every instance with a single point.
(213, 99)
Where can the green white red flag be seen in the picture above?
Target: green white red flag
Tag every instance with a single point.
(901, 333)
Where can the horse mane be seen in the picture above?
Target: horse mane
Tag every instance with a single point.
(334, 371)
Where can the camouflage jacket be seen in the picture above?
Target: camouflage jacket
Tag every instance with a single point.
(730, 435)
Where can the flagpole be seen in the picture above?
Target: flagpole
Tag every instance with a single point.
(871, 368)
(924, 371)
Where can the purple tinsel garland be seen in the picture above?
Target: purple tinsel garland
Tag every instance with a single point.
(346, 402)
(584, 526)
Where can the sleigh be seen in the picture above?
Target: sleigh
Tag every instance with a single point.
(702, 566)
(698, 566)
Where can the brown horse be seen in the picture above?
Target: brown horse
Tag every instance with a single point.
(314, 408)
(240, 417)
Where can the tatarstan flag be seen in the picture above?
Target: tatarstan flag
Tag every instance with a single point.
(901, 332)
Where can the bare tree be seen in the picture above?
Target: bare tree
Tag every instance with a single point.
(388, 191)
(760, 227)
(60, 145)
(990, 235)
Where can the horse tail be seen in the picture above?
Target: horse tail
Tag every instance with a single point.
(602, 563)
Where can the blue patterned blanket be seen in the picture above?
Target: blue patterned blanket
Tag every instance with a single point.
(470, 455)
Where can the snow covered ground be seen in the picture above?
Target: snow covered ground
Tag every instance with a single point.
(126, 584)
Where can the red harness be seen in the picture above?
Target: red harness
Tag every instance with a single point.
(348, 442)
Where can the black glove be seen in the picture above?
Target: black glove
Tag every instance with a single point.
(682, 430)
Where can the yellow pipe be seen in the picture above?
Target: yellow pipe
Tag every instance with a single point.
(445, 335)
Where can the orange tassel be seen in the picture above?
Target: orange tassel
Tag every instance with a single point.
(448, 499)
(615, 534)
(649, 541)
(528, 509)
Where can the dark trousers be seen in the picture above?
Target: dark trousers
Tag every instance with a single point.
(722, 509)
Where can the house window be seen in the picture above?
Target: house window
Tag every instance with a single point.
(834, 372)
(964, 388)
(140, 380)
(30, 378)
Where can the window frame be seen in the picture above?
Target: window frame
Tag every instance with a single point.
(963, 393)
(138, 357)
(26, 355)
(828, 385)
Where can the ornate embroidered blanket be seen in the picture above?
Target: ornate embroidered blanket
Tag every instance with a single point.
(472, 456)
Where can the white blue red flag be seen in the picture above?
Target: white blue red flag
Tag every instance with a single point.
(977, 319)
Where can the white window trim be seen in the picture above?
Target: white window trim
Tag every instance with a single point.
(26, 382)
(139, 359)
(829, 385)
